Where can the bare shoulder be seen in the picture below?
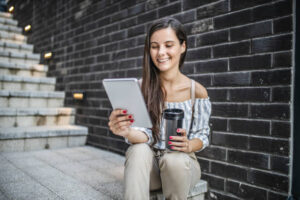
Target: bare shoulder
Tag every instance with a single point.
(200, 91)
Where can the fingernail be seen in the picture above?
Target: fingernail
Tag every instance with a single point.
(178, 130)
(130, 116)
(169, 142)
(124, 111)
(132, 121)
(172, 147)
(171, 137)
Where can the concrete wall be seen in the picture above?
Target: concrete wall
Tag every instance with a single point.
(241, 51)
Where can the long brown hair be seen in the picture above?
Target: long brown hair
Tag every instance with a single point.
(151, 85)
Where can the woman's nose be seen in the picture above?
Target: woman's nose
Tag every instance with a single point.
(161, 51)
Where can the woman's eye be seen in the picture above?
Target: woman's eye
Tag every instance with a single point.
(168, 46)
(154, 47)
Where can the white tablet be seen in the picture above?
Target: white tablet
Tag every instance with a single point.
(125, 93)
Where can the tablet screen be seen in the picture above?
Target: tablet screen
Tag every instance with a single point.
(126, 94)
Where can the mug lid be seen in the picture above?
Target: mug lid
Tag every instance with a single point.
(173, 113)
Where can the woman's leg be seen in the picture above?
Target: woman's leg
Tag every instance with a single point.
(179, 173)
(138, 169)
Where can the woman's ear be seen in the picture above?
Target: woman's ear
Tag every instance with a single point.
(183, 47)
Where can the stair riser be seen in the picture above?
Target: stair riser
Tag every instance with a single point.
(15, 50)
(10, 30)
(5, 85)
(20, 39)
(31, 144)
(19, 60)
(26, 121)
(21, 72)
(17, 102)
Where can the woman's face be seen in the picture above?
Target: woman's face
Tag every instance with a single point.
(165, 49)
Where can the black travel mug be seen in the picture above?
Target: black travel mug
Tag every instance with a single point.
(173, 119)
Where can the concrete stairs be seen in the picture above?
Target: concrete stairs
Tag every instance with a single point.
(32, 116)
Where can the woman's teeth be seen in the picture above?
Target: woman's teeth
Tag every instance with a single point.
(163, 60)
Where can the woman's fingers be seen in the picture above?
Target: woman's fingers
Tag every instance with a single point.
(115, 113)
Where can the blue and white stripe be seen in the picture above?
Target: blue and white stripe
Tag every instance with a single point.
(200, 128)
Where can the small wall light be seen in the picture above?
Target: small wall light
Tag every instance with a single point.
(27, 28)
(48, 55)
(78, 95)
(11, 9)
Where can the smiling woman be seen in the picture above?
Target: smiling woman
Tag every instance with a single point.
(149, 165)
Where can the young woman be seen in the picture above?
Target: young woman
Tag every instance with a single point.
(148, 166)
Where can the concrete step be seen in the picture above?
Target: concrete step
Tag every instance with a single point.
(11, 29)
(12, 82)
(37, 70)
(197, 193)
(31, 99)
(26, 117)
(19, 57)
(42, 137)
(5, 15)
(14, 47)
(13, 37)
(7, 21)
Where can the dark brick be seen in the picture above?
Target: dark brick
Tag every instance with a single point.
(219, 195)
(250, 62)
(149, 16)
(118, 36)
(213, 181)
(188, 68)
(281, 129)
(155, 4)
(111, 47)
(137, 73)
(281, 94)
(230, 110)
(249, 127)
(212, 10)
(282, 25)
(277, 43)
(249, 94)
(218, 124)
(276, 196)
(280, 164)
(134, 52)
(211, 66)
(248, 159)
(245, 191)
(136, 9)
(278, 77)
(119, 16)
(201, 26)
(274, 146)
(232, 79)
(116, 55)
(229, 171)
(233, 49)
(124, 44)
(217, 94)
(211, 152)
(236, 4)
(270, 111)
(190, 4)
(212, 38)
(282, 59)
(269, 180)
(251, 31)
(186, 16)
(233, 19)
(128, 23)
(268, 11)
(197, 54)
(232, 141)
(191, 42)
(137, 30)
(169, 10)
(204, 164)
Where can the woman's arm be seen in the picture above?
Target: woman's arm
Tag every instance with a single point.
(136, 136)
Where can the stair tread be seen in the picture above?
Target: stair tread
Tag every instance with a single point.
(11, 29)
(14, 78)
(21, 55)
(6, 15)
(11, 35)
(36, 111)
(42, 131)
(8, 21)
(36, 67)
(23, 93)
(15, 45)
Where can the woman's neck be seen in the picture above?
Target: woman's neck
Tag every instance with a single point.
(171, 79)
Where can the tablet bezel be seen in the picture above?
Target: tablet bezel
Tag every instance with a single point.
(122, 92)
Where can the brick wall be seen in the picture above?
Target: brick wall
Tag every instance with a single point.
(241, 51)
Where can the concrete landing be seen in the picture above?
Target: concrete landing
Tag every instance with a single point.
(81, 173)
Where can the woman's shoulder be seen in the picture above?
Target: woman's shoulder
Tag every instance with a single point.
(200, 91)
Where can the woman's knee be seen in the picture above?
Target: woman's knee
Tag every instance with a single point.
(139, 151)
(175, 161)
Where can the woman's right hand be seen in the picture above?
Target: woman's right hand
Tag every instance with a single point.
(119, 122)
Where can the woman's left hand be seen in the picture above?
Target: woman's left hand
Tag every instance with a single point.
(180, 143)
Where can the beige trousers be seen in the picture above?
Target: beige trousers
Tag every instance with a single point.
(174, 172)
